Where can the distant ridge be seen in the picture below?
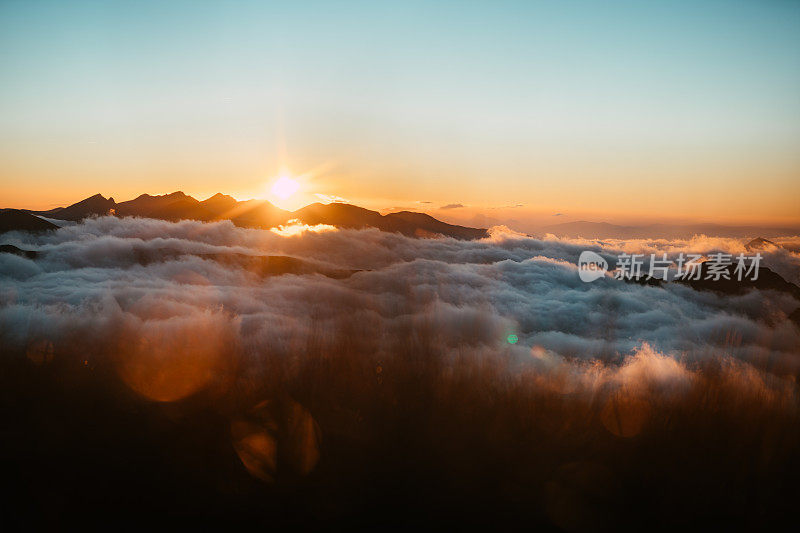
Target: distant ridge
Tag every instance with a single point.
(604, 230)
(262, 214)
(759, 243)
(424, 223)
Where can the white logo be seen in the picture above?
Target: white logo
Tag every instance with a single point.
(591, 266)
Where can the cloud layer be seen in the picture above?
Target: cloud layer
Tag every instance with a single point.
(472, 294)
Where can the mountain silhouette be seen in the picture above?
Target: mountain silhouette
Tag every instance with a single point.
(94, 205)
(262, 214)
(186, 208)
(767, 280)
(145, 203)
(18, 220)
(220, 204)
(424, 224)
(257, 214)
(759, 243)
(337, 214)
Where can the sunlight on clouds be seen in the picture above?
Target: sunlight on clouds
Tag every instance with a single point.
(295, 227)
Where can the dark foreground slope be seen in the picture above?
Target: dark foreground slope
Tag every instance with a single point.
(402, 440)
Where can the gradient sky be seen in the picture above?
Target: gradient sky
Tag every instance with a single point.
(613, 110)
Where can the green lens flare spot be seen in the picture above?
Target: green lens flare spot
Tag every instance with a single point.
(512, 339)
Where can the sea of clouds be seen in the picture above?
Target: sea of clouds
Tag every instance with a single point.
(152, 288)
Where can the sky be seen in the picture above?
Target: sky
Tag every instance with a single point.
(612, 111)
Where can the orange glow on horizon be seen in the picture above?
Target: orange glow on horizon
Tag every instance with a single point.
(532, 203)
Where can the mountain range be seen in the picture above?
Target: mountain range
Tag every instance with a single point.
(262, 214)
(259, 214)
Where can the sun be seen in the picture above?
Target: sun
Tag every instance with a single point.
(285, 187)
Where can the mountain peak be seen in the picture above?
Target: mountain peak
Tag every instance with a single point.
(758, 243)
(220, 196)
(96, 205)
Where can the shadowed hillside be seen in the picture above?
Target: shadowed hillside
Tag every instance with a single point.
(18, 220)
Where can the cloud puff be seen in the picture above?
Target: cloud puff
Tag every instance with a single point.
(452, 206)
